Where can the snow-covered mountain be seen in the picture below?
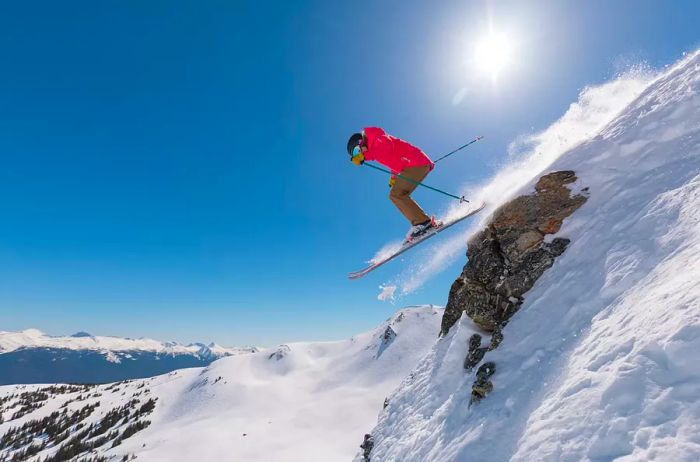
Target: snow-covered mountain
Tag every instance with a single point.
(30, 356)
(593, 357)
(300, 401)
(599, 361)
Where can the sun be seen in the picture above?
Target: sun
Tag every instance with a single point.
(493, 54)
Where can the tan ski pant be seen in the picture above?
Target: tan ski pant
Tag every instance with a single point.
(400, 194)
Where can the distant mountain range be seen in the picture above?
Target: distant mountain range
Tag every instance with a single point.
(31, 356)
(302, 401)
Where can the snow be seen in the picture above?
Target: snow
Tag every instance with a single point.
(300, 401)
(111, 357)
(601, 361)
(387, 293)
(386, 251)
(108, 397)
(599, 364)
(529, 155)
(303, 401)
(34, 338)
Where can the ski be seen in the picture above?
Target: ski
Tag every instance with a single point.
(415, 242)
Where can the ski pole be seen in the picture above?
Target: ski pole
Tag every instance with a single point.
(460, 199)
(460, 148)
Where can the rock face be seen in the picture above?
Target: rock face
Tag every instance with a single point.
(387, 338)
(505, 260)
(367, 446)
(482, 385)
(280, 353)
(511, 253)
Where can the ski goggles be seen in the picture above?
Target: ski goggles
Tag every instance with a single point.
(358, 149)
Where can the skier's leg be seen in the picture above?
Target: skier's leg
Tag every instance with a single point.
(400, 194)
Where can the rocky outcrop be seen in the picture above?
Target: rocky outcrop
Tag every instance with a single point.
(476, 352)
(366, 447)
(482, 385)
(511, 253)
(505, 260)
(280, 353)
(387, 338)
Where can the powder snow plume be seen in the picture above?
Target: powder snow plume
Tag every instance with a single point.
(387, 293)
(387, 250)
(528, 156)
(600, 361)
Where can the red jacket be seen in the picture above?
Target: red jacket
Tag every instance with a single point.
(393, 152)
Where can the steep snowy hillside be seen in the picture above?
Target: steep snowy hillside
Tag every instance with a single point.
(31, 356)
(600, 361)
(301, 401)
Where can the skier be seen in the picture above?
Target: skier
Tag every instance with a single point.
(403, 159)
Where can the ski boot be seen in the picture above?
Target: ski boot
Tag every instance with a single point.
(421, 229)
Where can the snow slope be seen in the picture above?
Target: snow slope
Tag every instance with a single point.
(601, 362)
(529, 155)
(301, 401)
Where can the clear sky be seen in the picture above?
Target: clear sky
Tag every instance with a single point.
(178, 169)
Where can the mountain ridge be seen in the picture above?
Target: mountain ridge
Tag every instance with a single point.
(31, 356)
(305, 400)
(35, 338)
(598, 362)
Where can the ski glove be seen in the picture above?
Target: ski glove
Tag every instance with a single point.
(358, 159)
(392, 181)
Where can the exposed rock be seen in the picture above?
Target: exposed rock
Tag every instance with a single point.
(387, 338)
(281, 352)
(505, 260)
(476, 352)
(496, 339)
(367, 446)
(389, 334)
(482, 385)
(511, 253)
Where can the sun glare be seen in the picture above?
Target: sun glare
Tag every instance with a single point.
(493, 53)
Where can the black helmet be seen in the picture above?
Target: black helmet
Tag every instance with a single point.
(354, 140)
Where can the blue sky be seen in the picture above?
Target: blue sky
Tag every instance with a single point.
(178, 170)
